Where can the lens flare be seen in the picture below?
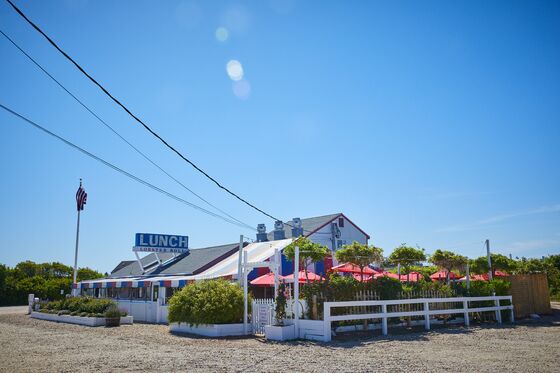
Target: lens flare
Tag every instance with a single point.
(241, 89)
(222, 34)
(234, 70)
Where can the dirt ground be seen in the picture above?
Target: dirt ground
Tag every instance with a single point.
(35, 345)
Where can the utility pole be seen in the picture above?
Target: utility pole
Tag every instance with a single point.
(240, 262)
(489, 260)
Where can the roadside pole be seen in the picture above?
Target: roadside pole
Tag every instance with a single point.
(489, 260)
(76, 252)
(240, 261)
(296, 291)
(468, 276)
(245, 295)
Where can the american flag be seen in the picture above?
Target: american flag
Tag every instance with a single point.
(81, 197)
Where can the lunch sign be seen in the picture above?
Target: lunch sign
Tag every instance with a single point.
(161, 243)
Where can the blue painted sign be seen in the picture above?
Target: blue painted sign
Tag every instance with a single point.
(161, 243)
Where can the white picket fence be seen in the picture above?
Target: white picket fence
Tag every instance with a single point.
(262, 312)
(424, 303)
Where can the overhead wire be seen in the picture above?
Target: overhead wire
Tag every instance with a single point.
(135, 117)
(117, 133)
(118, 169)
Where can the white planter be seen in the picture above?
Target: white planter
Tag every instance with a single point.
(209, 330)
(280, 333)
(78, 320)
(312, 329)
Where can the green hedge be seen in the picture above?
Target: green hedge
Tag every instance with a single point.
(207, 302)
(80, 305)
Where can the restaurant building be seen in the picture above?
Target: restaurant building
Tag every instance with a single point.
(143, 286)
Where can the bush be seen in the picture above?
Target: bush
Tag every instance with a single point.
(80, 305)
(112, 312)
(207, 302)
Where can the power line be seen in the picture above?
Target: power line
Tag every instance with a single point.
(136, 117)
(118, 134)
(128, 174)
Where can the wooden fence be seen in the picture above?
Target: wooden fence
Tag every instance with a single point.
(530, 294)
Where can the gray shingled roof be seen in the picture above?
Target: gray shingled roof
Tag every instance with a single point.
(195, 261)
(308, 224)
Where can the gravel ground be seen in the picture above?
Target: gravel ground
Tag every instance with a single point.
(35, 345)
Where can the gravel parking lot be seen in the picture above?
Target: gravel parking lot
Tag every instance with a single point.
(34, 345)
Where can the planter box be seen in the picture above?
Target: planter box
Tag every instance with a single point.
(280, 333)
(79, 320)
(312, 329)
(209, 330)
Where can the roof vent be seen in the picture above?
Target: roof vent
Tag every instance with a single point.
(261, 233)
(297, 230)
(278, 232)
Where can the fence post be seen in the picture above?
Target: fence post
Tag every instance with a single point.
(326, 322)
(427, 315)
(512, 314)
(314, 307)
(466, 316)
(498, 312)
(384, 319)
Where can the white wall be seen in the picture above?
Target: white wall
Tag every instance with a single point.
(348, 234)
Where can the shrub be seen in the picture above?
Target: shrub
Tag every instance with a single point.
(79, 305)
(112, 312)
(207, 302)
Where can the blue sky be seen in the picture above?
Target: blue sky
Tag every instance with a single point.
(429, 123)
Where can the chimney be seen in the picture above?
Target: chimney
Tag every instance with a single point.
(278, 232)
(297, 230)
(261, 233)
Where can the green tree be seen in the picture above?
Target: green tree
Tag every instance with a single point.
(309, 252)
(359, 254)
(407, 257)
(45, 280)
(499, 263)
(448, 261)
(87, 274)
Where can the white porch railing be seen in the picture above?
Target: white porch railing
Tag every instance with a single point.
(426, 311)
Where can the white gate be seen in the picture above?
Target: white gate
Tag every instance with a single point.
(262, 313)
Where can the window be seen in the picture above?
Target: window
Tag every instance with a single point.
(124, 293)
(169, 293)
(341, 222)
(156, 293)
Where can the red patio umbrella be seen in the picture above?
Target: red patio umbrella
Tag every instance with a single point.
(387, 274)
(302, 279)
(442, 275)
(412, 277)
(367, 278)
(351, 268)
(484, 276)
(265, 280)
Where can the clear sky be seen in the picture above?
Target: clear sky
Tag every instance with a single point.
(429, 123)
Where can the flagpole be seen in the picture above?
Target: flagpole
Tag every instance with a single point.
(77, 241)
(76, 252)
